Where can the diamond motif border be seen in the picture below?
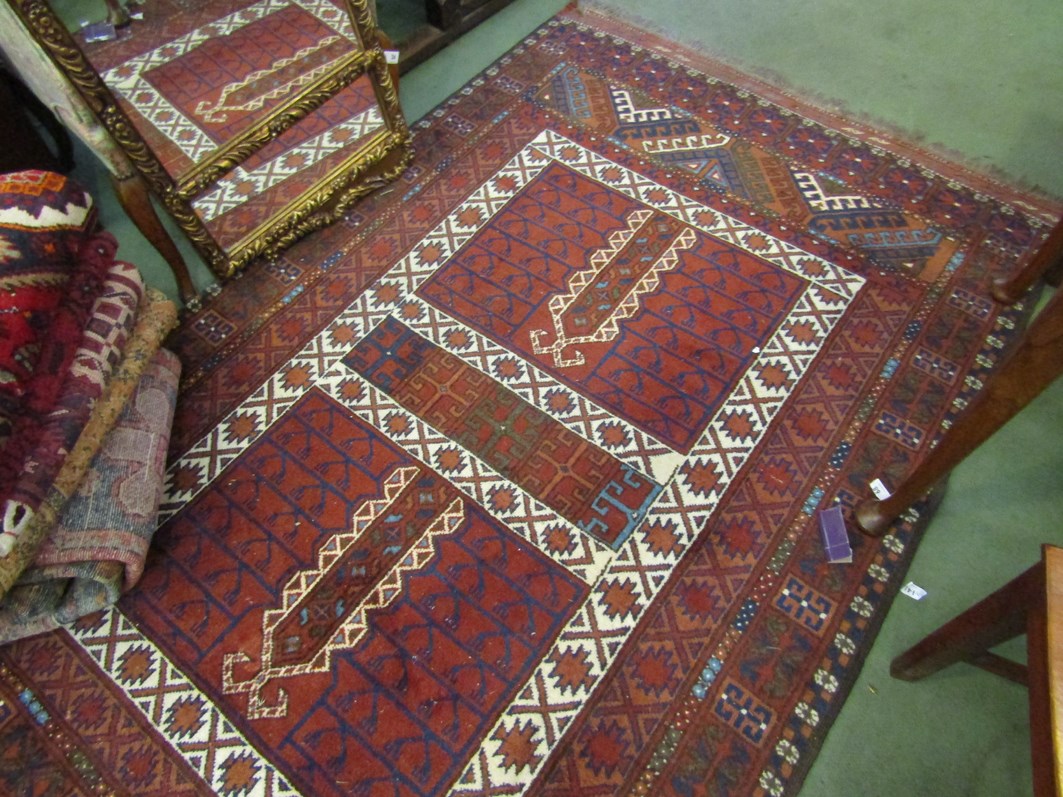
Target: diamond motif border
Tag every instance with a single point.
(215, 745)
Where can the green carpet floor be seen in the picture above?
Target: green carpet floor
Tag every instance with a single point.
(981, 80)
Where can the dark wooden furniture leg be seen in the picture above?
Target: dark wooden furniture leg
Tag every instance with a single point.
(446, 20)
(135, 198)
(1031, 603)
(1035, 363)
(969, 636)
(1046, 262)
(1045, 656)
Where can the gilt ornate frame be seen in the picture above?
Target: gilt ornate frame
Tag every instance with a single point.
(377, 161)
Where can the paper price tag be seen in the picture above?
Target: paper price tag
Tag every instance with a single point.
(879, 489)
(914, 591)
(391, 56)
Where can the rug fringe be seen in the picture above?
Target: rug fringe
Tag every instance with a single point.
(820, 108)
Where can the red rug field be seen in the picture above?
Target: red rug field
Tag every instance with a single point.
(508, 484)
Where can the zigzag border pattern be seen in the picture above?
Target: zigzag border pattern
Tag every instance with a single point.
(215, 744)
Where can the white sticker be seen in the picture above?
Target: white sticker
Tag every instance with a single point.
(879, 489)
(913, 590)
(391, 56)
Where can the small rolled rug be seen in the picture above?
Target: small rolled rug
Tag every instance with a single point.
(153, 322)
(63, 299)
(52, 270)
(97, 548)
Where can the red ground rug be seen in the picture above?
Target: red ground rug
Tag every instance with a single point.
(508, 483)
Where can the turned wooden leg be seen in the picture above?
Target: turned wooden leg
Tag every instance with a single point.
(1035, 363)
(969, 636)
(116, 14)
(1046, 262)
(136, 200)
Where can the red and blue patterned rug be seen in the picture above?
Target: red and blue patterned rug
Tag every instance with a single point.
(508, 483)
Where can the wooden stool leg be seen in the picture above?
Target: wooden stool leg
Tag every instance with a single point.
(1042, 750)
(135, 198)
(1035, 363)
(1044, 652)
(1054, 274)
(970, 635)
(1046, 262)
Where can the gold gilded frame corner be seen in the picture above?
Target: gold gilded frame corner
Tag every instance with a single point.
(55, 40)
(379, 160)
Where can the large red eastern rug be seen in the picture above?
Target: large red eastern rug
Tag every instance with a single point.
(508, 483)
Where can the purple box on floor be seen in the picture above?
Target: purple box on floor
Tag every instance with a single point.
(835, 537)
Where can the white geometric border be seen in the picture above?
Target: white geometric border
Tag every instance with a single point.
(214, 744)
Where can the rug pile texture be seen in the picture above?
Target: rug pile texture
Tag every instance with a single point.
(508, 484)
(86, 402)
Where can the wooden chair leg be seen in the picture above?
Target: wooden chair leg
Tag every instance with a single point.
(1054, 274)
(1035, 363)
(135, 198)
(1044, 652)
(970, 635)
(1046, 262)
(1040, 709)
(1033, 603)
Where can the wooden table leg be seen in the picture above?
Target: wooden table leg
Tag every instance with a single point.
(1031, 603)
(969, 636)
(1046, 262)
(135, 198)
(1035, 363)
(1044, 652)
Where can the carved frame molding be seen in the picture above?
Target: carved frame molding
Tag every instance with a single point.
(378, 161)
